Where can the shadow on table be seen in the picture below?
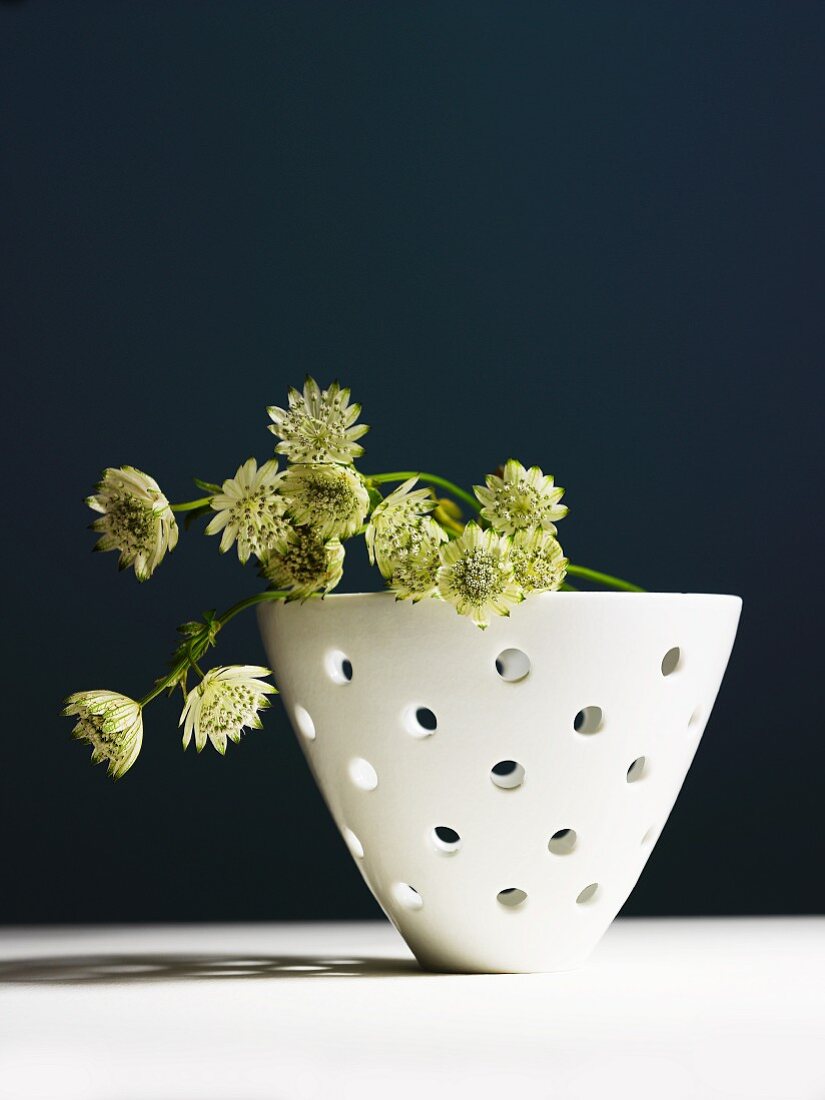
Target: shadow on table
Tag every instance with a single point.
(123, 969)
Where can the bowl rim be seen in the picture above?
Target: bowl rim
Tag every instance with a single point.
(533, 597)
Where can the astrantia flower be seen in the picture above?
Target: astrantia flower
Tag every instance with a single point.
(251, 510)
(539, 564)
(226, 700)
(393, 518)
(412, 568)
(111, 723)
(136, 519)
(309, 564)
(331, 499)
(521, 498)
(318, 426)
(476, 575)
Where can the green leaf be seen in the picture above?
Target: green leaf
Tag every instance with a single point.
(207, 486)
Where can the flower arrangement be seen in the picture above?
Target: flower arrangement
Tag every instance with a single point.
(295, 523)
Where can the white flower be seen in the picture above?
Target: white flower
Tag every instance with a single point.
(309, 564)
(111, 723)
(251, 509)
(331, 499)
(521, 498)
(476, 575)
(538, 562)
(226, 700)
(136, 519)
(318, 426)
(412, 569)
(393, 517)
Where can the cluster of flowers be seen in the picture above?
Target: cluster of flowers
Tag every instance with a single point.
(480, 570)
(295, 522)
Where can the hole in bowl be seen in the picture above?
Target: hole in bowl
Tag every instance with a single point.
(303, 722)
(363, 774)
(511, 898)
(671, 660)
(636, 771)
(588, 720)
(339, 667)
(420, 721)
(446, 839)
(353, 843)
(563, 842)
(407, 896)
(588, 894)
(513, 665)
(649, 837)
(695, 718)
(507, 774)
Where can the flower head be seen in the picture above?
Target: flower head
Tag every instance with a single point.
(111, 723)
(521, 498)
(412, 568)
(318, 426)
(476, 575)
(309, 564)
(251, 510)
(331, 499)
(135, 519)
(226, 700)
(394, 518)
(539, 564)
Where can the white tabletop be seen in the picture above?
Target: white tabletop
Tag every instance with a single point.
(665, 1009)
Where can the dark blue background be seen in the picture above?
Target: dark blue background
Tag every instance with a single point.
(588, 235)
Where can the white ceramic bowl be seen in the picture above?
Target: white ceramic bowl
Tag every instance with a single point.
(507, 837)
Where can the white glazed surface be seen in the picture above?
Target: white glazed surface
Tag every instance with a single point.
(586, 650)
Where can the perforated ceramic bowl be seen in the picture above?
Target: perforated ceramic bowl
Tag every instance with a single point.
(501, 790)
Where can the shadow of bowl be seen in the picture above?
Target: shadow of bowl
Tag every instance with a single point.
(128, 968)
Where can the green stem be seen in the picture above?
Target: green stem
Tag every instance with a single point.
(222, 620)
(164, 683)
(250, 601)
(602, 578)
(431, 479)
(193, 660)
(191, 505)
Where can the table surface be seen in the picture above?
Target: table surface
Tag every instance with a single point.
(668, 1009)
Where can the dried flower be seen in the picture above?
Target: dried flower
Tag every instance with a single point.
(318, 426)
(111, 723)
(521, 498)
(476, 575)
(331, 499)
(252, 511)
(226, 700)
(136, 519)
